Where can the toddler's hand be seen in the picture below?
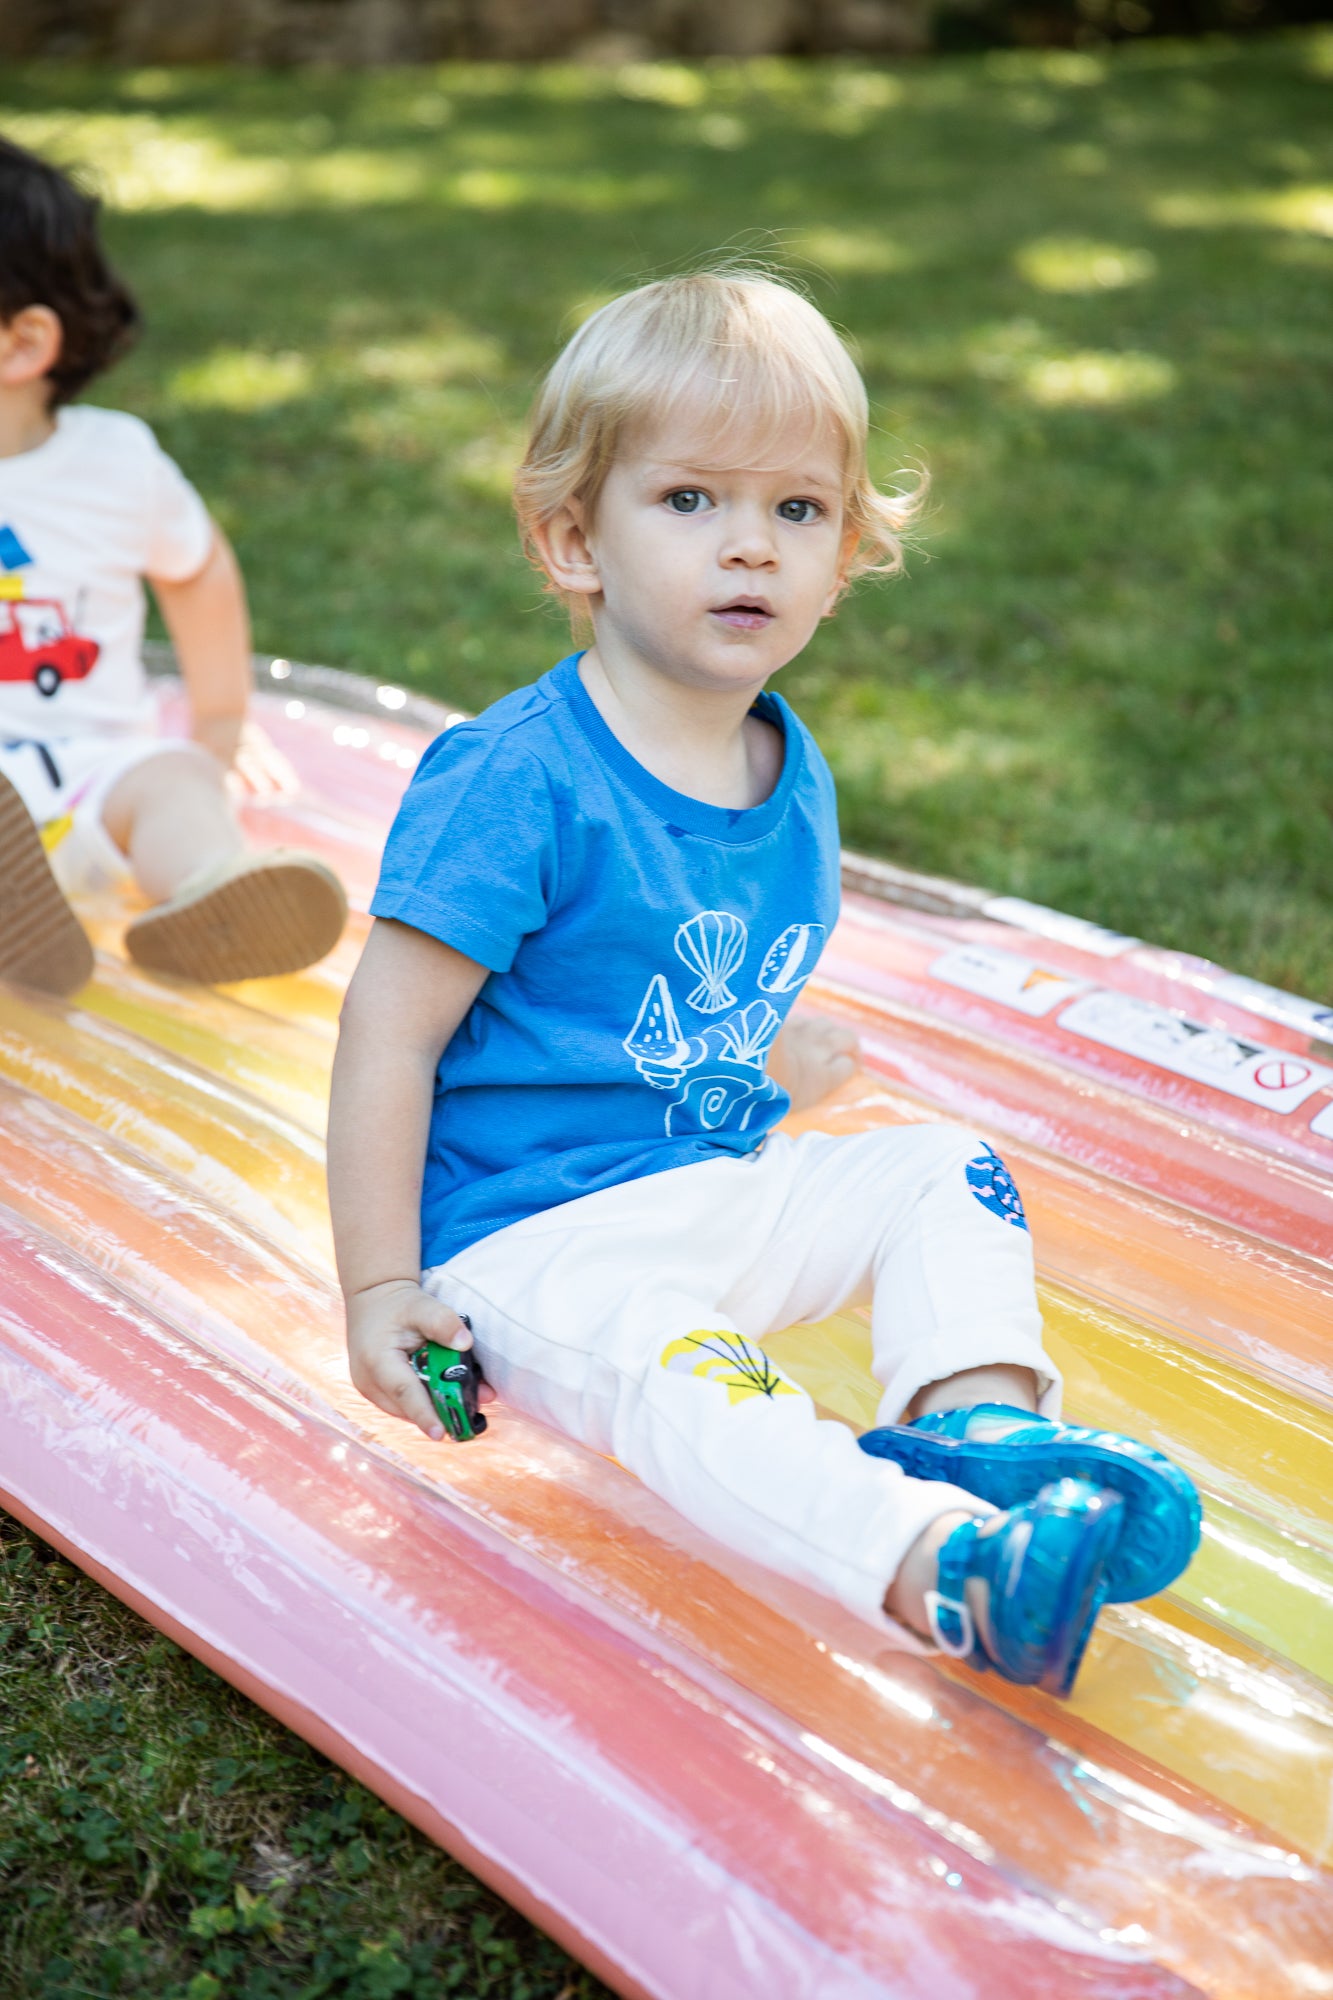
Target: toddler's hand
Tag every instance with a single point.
(385, 1325)
(812, 1056)
(259, 770)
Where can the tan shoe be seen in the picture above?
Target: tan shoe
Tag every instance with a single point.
(252, 917)
(42, 943)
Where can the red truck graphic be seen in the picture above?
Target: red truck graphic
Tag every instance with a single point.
(36, 644)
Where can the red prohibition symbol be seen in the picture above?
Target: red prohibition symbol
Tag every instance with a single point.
(1281, 1075)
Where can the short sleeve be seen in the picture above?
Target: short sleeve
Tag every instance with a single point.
(473, 855)
(179, 528)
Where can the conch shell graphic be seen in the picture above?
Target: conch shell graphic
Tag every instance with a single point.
(655, 1041)
(713, 945)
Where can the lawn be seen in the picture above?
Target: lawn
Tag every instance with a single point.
(1090, 292)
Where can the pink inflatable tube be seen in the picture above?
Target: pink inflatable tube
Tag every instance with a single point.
(681, 1846)
(705, 1783)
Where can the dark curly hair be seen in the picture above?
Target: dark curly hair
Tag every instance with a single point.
(50, 255)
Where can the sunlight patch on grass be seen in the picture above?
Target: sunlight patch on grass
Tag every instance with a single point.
(487, 465)
(1076, 264)
(903, 766)
(1083, 159)
(848, 252)
(142, 164)
(491, 187)
(138, 163)
(1018, 351)
(497, 189)
(662, 83)
(438, 357)
(241, 378)
(1067, 69)
(1320, 58)
(152, 86)
(352, 178)
(854, 101)
(1093, 381)
(1304, 210)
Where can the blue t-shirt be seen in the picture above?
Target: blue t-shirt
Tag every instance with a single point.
(643, 947)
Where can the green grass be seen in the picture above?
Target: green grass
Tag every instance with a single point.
(1090, 292)
(160, 1837)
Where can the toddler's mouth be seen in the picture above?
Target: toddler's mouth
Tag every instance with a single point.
(745, 614)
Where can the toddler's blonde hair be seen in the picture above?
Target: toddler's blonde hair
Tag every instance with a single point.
(750, 354)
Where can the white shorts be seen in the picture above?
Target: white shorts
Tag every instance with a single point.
(65, 781)
(629, 1320)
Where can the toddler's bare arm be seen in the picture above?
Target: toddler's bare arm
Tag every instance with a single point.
(405, 1002)
(209, 624)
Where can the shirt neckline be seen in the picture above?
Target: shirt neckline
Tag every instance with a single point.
(736, 825)
(68, 419)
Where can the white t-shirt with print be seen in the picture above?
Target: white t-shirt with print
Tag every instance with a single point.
(83, 519)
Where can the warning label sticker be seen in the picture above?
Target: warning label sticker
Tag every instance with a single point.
(1002, 975)
(1275, 1078)
(1322, 1122)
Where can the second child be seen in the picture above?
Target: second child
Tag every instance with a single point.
(90, 505)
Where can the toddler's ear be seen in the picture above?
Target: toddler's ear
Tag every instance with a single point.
(563, 548)
(30, 344)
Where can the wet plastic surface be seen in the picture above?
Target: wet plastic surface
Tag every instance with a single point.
(704, 1782)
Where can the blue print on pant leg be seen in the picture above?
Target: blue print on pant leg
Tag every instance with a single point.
(993, 1185)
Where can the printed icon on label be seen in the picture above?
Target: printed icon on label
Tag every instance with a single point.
(1279, 1075)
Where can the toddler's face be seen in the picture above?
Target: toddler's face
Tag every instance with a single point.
(717, 576)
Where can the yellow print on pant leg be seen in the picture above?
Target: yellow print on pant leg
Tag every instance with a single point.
(729, 1359)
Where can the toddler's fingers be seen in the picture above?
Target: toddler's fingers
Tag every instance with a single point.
(440, 1323)
(403, 1395)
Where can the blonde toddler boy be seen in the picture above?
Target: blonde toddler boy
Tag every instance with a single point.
(565, 1054)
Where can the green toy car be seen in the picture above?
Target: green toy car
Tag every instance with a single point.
(451, 1380)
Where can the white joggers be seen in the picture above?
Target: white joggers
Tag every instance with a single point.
(628, 1319)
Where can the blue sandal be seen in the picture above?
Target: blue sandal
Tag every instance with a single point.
(1038, 1577)
(1007, 1456)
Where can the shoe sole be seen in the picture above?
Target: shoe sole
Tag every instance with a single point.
(1160, 1529)
(42, 943)
(264, 922)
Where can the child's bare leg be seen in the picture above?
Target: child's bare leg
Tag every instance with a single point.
(219, 912)
(811, 1057)
(905, 1598)
(172, 818)
(1000, 1383)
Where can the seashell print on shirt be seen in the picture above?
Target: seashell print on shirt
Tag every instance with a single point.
(716, 1075)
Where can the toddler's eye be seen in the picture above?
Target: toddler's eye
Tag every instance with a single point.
(800, 511)
(687, 500)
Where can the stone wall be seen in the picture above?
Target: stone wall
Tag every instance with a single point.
(359, 32)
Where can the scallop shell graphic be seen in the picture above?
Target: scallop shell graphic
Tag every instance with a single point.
(746, 1036)
(713, 945)
(791, 958)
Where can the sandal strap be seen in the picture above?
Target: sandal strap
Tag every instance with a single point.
(948, 1613)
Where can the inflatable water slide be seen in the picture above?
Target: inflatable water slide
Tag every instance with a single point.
(708, 1784)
